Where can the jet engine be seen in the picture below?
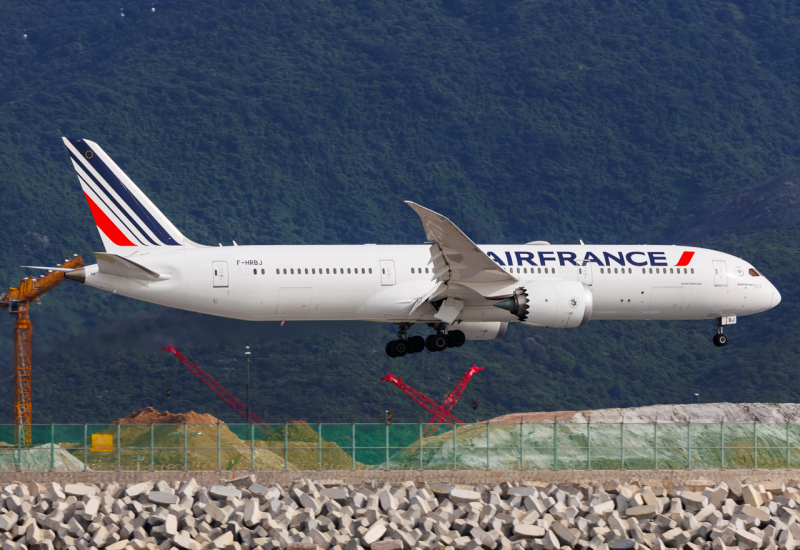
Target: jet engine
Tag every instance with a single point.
(480, 330)
(555, 304)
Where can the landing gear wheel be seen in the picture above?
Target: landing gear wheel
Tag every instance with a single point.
(720, 340)
(416, 344)
(436, 342)
(389, 350)
(455, 339)
(399, 347)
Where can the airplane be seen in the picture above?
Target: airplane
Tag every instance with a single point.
(461, 290)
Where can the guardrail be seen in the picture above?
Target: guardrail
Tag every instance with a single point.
(358, 446)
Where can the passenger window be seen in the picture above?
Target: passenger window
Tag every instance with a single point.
(277, 272)
(348, 271)
(670, 270)
(644, 270)
(580, 271)
(215, 273)
(524, 269)
(657, 271)
(255, 272)
(412, 270)
(306, 271)
(370, 271)
(630, 270)
(342, 271)
(263, 272)
(328, 271)
(754, 273)
(284, 271)
(692, 271)
(334, 271)
(383, 271)
(426, 270)
(362, 271)
(540, 271)
(313, 271)
(615, 270)
(601, 270)
(291, 271)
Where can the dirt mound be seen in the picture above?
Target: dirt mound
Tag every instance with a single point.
(149, 415)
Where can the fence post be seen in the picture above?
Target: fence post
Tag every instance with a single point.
(655, 443)
(455, 455)
(689, 445)
(420, 445)
(622, 445)
(285, 445)
(119, 448)
(589, 444)
(53, 446)
(488, 448)
(354, 446)
(85, 445)
(387, 445)
(252, 446)
(521, 448)
(555, 445)
(722, 443)
(788, 457)
(185, 447)
(219, 446)
(152, 452)
(319, 445)
(755, 445)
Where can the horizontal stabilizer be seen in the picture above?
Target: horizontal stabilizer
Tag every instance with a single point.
(111, 264)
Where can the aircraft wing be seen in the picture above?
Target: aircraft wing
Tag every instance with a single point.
(111, 264)
(455, 258)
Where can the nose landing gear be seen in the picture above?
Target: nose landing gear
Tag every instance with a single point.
(720, 339)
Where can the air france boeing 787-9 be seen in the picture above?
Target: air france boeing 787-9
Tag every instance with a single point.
(461, 290)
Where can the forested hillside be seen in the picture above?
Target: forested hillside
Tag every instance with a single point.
(311, 121)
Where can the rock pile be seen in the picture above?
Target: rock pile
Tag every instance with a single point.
(244, 515)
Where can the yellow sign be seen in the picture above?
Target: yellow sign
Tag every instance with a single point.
(102, 443)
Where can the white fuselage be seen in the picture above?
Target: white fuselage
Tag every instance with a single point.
(382, 283)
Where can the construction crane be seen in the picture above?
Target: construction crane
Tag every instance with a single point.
(422, 400)
(441, 412)
(217, 388)
(451, 399)
(16, 301)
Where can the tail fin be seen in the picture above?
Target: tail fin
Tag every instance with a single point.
(128, 222)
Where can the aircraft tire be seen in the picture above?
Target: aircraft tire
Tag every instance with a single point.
(455, 339)
(416, 344)
(389, 350)
(399, 347)
(436, 342)
(720, 340)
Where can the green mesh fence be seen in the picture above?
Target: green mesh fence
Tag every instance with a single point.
(397, 446)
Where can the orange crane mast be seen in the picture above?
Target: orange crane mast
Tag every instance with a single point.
(16, 301)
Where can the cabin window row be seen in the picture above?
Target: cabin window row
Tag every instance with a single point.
(547, 270)
(645, 270)
(419, 270)
(304, 271)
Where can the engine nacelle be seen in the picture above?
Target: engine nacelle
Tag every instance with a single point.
(481, 330)
(555, 304)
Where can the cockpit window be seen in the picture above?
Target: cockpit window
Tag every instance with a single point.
(754, 273)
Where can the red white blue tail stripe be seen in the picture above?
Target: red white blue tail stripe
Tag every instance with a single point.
(125, 217)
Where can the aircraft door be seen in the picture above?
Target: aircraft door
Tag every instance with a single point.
(720, 273)
(585, 273)
(387, 272)
(220, 274)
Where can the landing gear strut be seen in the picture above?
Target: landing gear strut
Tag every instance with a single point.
(720, 339)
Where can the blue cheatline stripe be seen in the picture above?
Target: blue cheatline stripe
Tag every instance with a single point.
(98, 198)
(125, 194)
(112, 199)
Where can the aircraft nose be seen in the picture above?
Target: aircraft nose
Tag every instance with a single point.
(776, 297)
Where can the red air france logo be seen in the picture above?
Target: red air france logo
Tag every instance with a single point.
(686, 257)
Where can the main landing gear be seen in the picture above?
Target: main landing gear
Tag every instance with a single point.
(720, 339)
(440, 341)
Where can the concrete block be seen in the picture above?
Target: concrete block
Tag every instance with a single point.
(675, 538)
(647, 511)
(786, 540)
(483, 538)
(751, 496)
(171, 526)
(749, 539)
(220, 492)
(522, 492)
(602, 509)
(79, 490)
(387, 545)
(550, 541)
(374, 534)
(530, 531)
(162, 499)
(252, 514)
(758, 513)
(623, 544)
(564, 534)
(138, 489)
(387, 501)
(460, 496)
